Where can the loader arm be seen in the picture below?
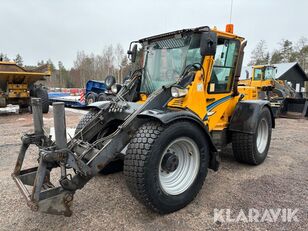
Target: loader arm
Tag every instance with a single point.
(85, 158)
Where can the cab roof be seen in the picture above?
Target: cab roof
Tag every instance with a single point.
(188, 31)
(173, 33)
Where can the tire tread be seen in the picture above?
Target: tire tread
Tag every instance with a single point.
(242, 145)
(43, 95)
(85, 119)
(135, 159)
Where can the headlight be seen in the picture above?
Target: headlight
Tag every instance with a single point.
(114, 89)
(177, 92)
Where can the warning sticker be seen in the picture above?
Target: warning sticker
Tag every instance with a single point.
(212, 87)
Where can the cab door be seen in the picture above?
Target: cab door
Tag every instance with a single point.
(257, 77)
(219, 85)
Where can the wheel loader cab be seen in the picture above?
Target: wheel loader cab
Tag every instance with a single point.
(263, 76)
(207, 59)
(211, 72)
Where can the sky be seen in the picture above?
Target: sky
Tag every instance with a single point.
(57, 29)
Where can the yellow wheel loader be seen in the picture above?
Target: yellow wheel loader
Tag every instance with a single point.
(168, 122)
(263, 78)
(281, 96)
(18, 85)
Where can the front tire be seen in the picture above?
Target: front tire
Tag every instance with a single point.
(165, 166)
(85, 120)
(253, 148)
(115, 165)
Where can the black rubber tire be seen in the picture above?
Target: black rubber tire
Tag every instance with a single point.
(85, 119)
(91, 98)
(43, 95)
(142, 160)
(102, 97)
(245, 145)
(113, 166)
(110, 97)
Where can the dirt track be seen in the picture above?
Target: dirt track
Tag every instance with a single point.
(106, 204)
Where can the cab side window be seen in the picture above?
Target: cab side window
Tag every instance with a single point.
(258, 74)
(224, 66)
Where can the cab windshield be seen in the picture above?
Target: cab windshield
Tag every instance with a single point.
(166, 59)
(264, 73)
(269, 73)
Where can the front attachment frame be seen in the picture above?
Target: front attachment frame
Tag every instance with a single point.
(43, 196)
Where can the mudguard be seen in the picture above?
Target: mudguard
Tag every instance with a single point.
(245, 115)
(168, 116)
(98, 104)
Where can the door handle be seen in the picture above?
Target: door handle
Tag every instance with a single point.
(210, 99)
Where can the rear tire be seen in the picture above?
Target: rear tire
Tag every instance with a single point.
(91, 98)
(113, 166)
(165, 166)
(102, 97)
(253, 148)
(43, 95)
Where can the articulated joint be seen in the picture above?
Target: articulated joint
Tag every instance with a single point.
(54, 155)
(37, 139)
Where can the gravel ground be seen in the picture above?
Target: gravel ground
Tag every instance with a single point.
(105, 202)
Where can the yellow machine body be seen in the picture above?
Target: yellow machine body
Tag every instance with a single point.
(215, 107)
(262, 76)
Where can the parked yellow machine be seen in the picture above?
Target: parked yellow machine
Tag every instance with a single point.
(17, 85)
(263, 78)
(283, 98)
(168, 122)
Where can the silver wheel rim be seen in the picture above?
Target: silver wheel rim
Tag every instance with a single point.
(262, 136)
(90, 101)
(178, 181)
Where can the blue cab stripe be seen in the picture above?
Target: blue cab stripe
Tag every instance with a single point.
(216, 103)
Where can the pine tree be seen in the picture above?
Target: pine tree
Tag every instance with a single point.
(287, 51)
(4, 57)
(276, 57)
(18, 60)
(259, 55)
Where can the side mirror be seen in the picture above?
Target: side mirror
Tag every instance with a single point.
(208, 43)
(247, 74)
(109, 81)
(132, 54)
